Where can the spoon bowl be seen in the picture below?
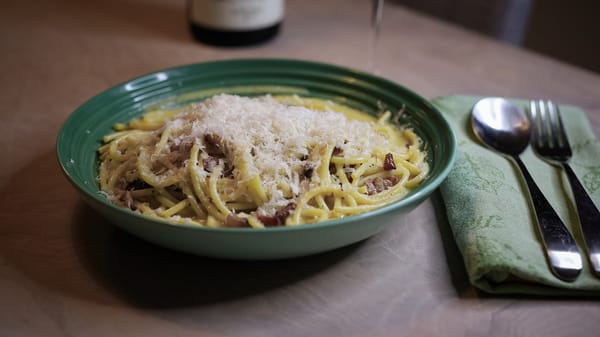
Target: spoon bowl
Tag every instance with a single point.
(501, 125)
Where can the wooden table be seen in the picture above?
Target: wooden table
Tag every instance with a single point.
(64, 271)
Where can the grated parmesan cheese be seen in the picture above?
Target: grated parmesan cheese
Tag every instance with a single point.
(274, 140)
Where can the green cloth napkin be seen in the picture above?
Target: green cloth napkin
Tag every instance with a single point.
(488, 206)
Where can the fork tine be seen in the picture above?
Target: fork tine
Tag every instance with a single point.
(558, 126)
(554, 126)
(540, 133)
(535, 120)
(545, 125)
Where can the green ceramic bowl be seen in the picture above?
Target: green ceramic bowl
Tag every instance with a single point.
(81, 136)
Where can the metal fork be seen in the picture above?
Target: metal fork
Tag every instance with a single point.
(550, 142)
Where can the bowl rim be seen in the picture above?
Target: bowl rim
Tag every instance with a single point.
(421, 192)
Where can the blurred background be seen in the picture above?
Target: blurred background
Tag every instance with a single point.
(566, 30)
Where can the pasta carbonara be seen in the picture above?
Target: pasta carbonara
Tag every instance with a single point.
(234, 161)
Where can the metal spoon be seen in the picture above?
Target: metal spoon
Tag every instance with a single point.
(505, 128)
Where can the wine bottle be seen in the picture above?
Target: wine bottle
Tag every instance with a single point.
(235, 22)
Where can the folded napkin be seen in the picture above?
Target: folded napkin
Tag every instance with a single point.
(490, 215)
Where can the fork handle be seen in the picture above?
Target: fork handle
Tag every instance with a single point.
(589, 218)
(561, 249)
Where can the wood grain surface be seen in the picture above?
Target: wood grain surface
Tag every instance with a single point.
(65, 271)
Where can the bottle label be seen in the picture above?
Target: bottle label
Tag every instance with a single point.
(236, 14)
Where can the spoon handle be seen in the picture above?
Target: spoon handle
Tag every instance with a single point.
(561, 249)
(589, 218)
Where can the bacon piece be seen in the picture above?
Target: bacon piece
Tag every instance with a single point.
(332, 168)
(233, 220)
(308, 170)
(213, 145)
(378, 184)
(388, 163)
(393, 180)
(371, 189)
(268, 220)
(337, 151)
(279, 218)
